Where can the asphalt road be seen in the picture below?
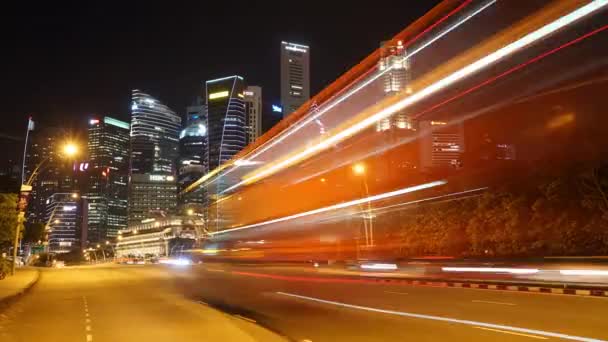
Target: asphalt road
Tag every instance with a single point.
(321, 307)
(161, 303)
(118, 303)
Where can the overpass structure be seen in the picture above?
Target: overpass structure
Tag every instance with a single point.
(408, 125)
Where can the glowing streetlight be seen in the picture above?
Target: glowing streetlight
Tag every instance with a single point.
(98, 245)
(107, 242)
(70, 149)
(359, 169)
(190, 212)
(74, 195)
(57, 221)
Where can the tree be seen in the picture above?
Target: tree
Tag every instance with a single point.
(34, 232)
(8, 218)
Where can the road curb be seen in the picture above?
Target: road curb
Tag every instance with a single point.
(7, 301)
(497, 287)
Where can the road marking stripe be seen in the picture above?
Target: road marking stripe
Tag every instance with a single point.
(245, 318)
(88, 328)
(400, 293)
(87, 320)
(512, 333)
(89, 337)
(445, 319)
(491, 302)
(215, 270)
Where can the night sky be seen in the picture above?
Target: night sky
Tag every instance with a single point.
(65, 64)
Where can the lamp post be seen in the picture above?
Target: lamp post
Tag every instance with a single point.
(69, 150)
(359, 169)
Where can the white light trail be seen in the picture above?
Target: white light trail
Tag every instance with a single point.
(491, 270)
(444, 319)
(339, 206)
(379, 266)
(355, 90)
(432, 89)
(584, 272)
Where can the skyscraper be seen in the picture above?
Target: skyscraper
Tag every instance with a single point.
(154, 152)
(64, 215)
(441, 144)
(108, 174)
(192, 160)
(197, 111)
(151, 195)
(395, 79)
(226, 119)
(154, 136)
(253, 108)
(56, 175)
(295, 76)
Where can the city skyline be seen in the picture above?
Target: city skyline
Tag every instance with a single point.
(125, 64)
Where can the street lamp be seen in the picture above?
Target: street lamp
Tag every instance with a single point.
(359, 169)
(69, 150)
(190, 212)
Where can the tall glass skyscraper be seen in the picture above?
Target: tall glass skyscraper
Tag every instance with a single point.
(154, 136)
(108, 174)
(226, 119)
(295, 76)
(154, 152)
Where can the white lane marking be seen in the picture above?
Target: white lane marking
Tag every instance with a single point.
(89, 337)
(201, 302)
(512, 333)
(215, 270)
(87, 328)
(445, 319)
(399, 293)
(491, 302)
(245, 318)
(87, 320)
(86, 314)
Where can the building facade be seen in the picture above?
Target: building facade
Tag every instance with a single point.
(154, 151)
(226, 119)
(253, 110)
(151, 195)
(160, 237)
(64, 218)
(193, 163)
(295, 76)
(441, 144)
(154, 136)
(108, 174)
(56, 174)
(396, 78)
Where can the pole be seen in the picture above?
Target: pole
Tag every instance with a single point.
(369, 212)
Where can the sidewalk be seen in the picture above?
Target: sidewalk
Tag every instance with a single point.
(12, 286)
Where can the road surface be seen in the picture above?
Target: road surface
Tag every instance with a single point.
(163, 303)
(322, 307)
(117, 303)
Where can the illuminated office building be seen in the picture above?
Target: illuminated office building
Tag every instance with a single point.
(64, 216)
(192, 160)
(108, 173)
(154, 136)
(55, 176)
(253, 109)
(295, 76)
(441, 144)
(226, 119)
(395, 80)
(197, 111)
(154, 151)
(151, 195)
